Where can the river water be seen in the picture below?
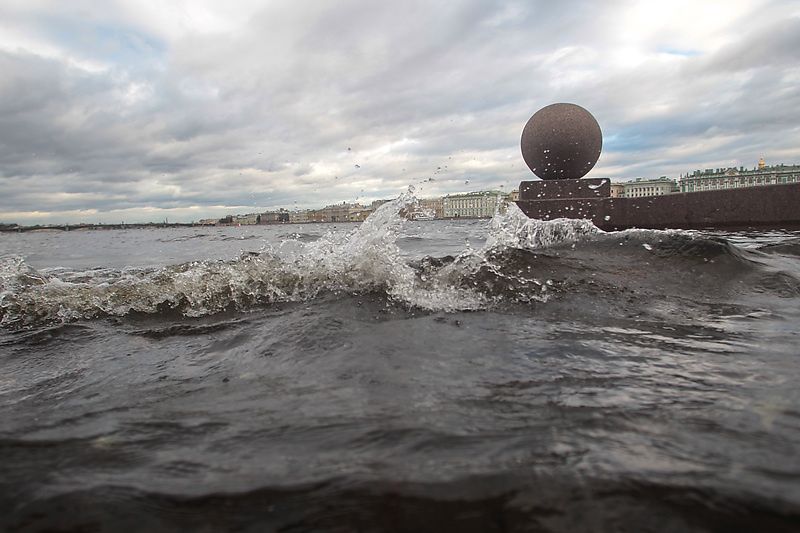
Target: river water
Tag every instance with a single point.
(503, 375)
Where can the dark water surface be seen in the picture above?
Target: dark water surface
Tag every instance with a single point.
(509, 375)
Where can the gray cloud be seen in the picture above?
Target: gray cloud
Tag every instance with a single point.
(114, 111)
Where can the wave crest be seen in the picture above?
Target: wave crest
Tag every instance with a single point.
(366, 259)
(522, 260)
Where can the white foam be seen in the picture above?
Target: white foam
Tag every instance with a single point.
(514, 229)
(366, 259)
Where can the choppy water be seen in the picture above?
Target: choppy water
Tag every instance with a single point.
(510, 375)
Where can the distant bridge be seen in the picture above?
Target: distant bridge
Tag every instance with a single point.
(85, 227)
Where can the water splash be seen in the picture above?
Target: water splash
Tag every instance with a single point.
(517, 263)
(501, 270)
(366, 259)
(513, 229)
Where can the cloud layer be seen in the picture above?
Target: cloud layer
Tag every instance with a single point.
(121, 110)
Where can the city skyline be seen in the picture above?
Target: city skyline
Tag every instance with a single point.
(370, 206)
(141, 111)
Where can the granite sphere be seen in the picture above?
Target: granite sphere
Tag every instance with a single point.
(561, 141)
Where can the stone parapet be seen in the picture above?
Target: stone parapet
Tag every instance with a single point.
(769, 206)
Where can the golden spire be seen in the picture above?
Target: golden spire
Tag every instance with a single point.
(761, 163)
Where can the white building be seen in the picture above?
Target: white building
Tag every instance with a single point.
(472, 204)
(649, 187)
(730, 178)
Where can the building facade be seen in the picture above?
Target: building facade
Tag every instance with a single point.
(298, 216)
(358, 213)
(340, 213)
(479, 204)
(246, 220)
(434, 206)
(649, 187)
(731, 178)
(274, 217)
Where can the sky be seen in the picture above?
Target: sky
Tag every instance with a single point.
(143, 110)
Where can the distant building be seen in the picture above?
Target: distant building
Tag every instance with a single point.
(247, 220)
(377, 203)
(434, 206)
(343, 212)
(299, 216)
(649, 187)
(335, 213)
(730, 178)
(479, 204)
(274, 217)
(617, 190)
(358, 213)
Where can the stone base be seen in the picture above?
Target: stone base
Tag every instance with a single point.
(766, 206)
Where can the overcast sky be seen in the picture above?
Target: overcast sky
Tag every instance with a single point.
(141, 110)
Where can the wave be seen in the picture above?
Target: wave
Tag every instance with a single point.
(488, 502)
(789, 247)
(522, 260)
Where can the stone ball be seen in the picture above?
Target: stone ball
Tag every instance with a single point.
(561, 141)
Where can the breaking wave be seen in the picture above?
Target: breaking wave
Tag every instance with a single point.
(523, 260)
